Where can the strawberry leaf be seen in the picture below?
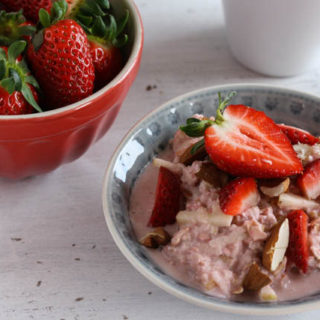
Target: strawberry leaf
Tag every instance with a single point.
(198, 145)
(37, 40)
(56, 13)
(23, 66)
(195, 128)
(26, 92)
(99, 28)
(8, 85)
(222, 104)
(3, 69)
(86, 20)
(105, 4)
(123, 22)
(15, 50)
(12, 28)
(91, 7)
(16, 78)
(44, 18)
(27, 30)
(32, 80)
(191, 120)
(3, 54)
(112, 28)
(121, 41)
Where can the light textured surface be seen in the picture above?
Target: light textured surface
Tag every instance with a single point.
(58, 260)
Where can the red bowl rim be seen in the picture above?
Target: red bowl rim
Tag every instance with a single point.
(126, 70)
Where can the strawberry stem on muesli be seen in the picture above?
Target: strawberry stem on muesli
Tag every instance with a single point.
(195, 127)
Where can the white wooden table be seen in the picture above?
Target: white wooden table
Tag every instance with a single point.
(57, 258)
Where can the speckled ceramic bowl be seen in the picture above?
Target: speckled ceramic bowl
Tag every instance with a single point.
(40, 142)
(150, 136)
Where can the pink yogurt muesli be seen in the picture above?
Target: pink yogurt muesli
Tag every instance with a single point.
(241, 256)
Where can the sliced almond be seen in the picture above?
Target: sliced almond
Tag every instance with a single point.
(276, 246)
(210, 285)
(290, 201)
(255, 278)
(281, 268)
(276, 190)
(187, 157)
(238, 290)
(215, 218)
(267, 294)
(158, 237)
(173, 167)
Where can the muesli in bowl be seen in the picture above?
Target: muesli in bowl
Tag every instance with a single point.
(231, 206)
(129, 193)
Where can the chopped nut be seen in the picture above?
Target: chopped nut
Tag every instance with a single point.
(290, 201)
(255, 278)
(281, 267)
(210, 285)
(238, 290)
(276, 190)
(214, 218)
(267, 294)
(211, 174)
(174, 167)
(158, 237)
(276, 246)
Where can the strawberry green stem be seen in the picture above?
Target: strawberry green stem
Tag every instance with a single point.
(196, 128)
(13, 26)
(57, 13)
(15, 75)
(97, 20)
(222, 105)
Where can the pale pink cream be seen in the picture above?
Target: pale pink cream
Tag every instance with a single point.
(216, 259)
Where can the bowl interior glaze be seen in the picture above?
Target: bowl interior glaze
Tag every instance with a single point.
(151, 135)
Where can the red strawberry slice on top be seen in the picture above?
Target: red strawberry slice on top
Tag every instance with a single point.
(167, 201)
(298, 250)
(245, 142)
(238, 196)
(309, 182)
(297, 135)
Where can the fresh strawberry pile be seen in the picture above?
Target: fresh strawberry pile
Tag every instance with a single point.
(55, 53)
(259, 160)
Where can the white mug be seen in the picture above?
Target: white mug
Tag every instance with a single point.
(274, 37)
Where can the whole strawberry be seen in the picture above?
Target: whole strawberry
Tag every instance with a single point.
(60, 58)
(13, 26)
(30, 7)
(17, 86)
(107, 61)
(105, 34)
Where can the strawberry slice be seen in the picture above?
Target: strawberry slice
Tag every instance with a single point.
(238, 195)
(245, 142)
(297, 135)
(298, 251)
(167, 202)
(309, 181)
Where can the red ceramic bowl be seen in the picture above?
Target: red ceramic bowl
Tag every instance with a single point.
(38, 143)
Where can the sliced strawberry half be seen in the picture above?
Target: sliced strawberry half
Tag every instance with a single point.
(238, 196)
(309, 181)
(297, 135)
(167, 201)
(245, 142)
(298, 250)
